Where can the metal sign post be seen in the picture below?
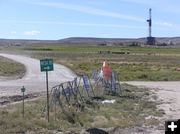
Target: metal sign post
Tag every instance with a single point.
(47, 87)
(47, 65)
(23, 90)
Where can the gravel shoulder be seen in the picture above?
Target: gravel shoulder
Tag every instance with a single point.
(168, 94)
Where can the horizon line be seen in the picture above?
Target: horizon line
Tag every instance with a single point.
(87, 37)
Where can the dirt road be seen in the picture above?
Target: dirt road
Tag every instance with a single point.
(168, 92)
(34, 80)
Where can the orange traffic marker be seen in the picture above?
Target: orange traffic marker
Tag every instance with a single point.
(106, 70)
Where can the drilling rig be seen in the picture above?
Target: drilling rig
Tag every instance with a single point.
(150, 39)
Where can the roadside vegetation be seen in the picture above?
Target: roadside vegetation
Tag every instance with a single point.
(75, 48)
(9, 68)
(132, 108)
(138, 63)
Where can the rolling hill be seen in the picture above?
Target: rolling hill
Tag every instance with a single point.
(90, 40)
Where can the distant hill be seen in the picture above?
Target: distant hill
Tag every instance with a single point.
(88, 40)
(80, 40)
(24, 41)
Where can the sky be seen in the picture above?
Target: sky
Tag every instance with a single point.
(58, 19)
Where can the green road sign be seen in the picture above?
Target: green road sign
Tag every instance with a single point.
(46, 65)
(23, 89)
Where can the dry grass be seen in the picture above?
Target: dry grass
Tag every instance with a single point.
(11, 68)
(131, 109)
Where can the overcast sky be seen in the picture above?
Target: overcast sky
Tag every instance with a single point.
(57, 19)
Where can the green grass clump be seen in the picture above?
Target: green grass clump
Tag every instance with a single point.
(11, 68)
(128, 71)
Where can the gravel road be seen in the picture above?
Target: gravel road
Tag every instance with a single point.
(34, 79)
(168, 93)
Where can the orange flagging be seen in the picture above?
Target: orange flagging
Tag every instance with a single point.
(106, 70)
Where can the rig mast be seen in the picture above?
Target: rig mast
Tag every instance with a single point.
(150, 39)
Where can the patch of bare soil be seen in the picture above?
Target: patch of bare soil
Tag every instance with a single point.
(5, 100)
